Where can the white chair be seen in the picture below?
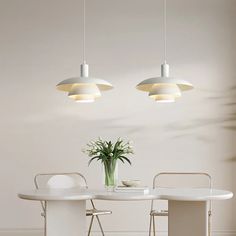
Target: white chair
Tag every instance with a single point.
(68, 180)
(156, 213)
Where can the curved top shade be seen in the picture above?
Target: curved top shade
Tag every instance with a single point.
(147, 84)
(66, 85)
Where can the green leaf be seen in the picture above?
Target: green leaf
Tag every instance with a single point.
(126, 159)
(121, 159)
(96, 157)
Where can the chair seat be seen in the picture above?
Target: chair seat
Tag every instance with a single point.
(92, 212)
(159, 213)
(95, 212)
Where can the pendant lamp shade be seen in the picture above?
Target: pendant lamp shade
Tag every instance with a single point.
(84, 88)
(164, 88)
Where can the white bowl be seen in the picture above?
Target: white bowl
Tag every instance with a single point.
(131, 183)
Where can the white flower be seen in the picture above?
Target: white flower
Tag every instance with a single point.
(111, 154)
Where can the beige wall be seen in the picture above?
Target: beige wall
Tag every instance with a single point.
(42, 130)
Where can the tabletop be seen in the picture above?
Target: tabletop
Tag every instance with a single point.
(174, 194)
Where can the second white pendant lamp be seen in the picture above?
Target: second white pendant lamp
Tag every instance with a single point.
(84, 89)
(164, 88)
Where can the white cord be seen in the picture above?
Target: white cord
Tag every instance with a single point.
(165, 26)
(84, 32)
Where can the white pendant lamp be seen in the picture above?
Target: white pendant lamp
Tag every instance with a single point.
(84, 89)
(164, 88)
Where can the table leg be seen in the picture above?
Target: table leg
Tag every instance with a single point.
(187, 218)
(65, 218)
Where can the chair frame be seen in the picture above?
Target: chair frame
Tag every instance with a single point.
(155, 179)
(44, 203)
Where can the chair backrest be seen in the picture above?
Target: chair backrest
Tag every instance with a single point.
(60, 180)
(156, 179)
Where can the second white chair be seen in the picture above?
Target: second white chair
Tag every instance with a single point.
(155, 213)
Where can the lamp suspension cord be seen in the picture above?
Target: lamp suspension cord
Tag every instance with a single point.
(84, 32)
(165, 26)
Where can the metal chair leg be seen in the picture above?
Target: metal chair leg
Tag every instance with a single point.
(154, 227)
(44, 230)
(45, 219)
(100, 225)
(90, 226)
(150, 226)
(209, 224)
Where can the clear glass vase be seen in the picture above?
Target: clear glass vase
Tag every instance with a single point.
(111, 175)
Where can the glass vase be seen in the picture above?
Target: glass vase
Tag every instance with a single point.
(111, 175)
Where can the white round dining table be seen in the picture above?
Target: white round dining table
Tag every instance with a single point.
(66, 208)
